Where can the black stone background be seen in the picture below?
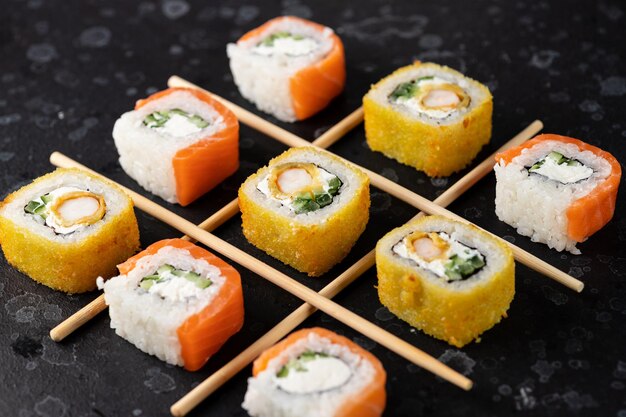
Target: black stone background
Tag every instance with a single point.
(70, 68)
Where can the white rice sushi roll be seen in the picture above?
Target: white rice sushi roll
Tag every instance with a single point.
(176, 301)
(557, 190)
(289, 67)
(178, 144)
(316, 373)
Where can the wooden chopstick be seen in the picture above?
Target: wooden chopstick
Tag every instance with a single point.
(387, 185)
(342, 314)
(98, 305)
(194, 397)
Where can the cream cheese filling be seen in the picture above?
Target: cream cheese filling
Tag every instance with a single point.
(319, 374)
(567, 174)
(289, 45)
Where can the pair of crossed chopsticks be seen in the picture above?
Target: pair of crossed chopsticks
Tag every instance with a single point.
(313, 299)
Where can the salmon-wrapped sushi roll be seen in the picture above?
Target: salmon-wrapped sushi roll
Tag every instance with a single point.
(178, 144)
(307, 208)
(176, 301)
(67, 228)
(428, 116)
(557, 190)
(448, 279)
(316, 373)
(289, 67)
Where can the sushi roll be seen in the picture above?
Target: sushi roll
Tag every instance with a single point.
(289, 67)
(176, 301)
(446, 278)
(316, 373)
(428, 116)
(67, 228)
(178, 144)
(557, 190)
(306, 208)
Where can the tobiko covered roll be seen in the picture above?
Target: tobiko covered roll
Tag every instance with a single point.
(176, 301)
(178, 144)
(557, 190)
(307, 208)
(316, 373)
(428, 116)
(67, 228)
(446, 278)
(289, 67)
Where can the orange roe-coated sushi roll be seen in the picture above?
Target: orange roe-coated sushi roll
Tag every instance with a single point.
(67, 228)
(176, 301)
(428, 116)
(178, 144)
(315, 372)
(289, 67)
(557, 190)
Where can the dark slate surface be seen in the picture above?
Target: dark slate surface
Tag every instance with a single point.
(69, 69)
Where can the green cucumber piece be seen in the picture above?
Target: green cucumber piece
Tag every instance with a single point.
(296, 364)
(38, 206)
(404, 90)
(323, 199)
(420, 79)
(333, 185)
(165, 268)
(457, 268)
(301, 205)
(160, 118)
(198, 121)
(556, 156)
(32, 207)
(151, 278)
(147, 284)
(179, 112)
(306, 202)
(269, 41)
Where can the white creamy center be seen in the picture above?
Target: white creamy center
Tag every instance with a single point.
(179, 289)
(564, 173)
(178, 126)
(436, 266)
(288, 46)
(320, 374)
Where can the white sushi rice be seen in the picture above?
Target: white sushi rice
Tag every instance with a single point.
(264, 398)
(263, 78)
(148, 319)
(495, 258)
(472, 88)
(351, 183)
(115, 202)
(146, 154)
(535, 205)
